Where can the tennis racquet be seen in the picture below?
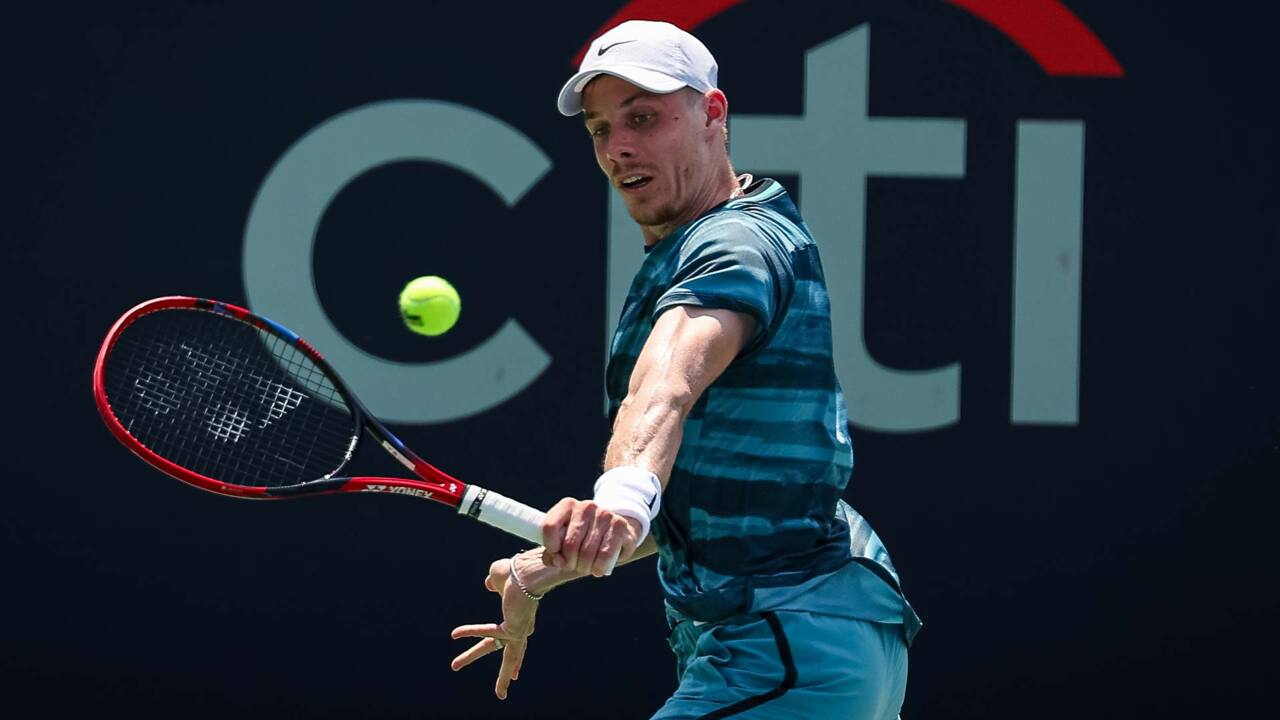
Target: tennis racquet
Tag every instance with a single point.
(234, 403)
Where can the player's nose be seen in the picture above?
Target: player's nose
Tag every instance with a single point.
(620, 147)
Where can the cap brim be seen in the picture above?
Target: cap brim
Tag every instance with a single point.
(570, 102)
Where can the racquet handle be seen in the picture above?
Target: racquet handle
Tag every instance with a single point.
(503, 513)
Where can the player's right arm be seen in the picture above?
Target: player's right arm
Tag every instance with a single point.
(687, 349)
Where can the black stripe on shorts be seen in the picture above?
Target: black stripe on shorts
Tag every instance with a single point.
(788, 677)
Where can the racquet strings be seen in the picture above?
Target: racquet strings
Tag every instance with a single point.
(227, 400)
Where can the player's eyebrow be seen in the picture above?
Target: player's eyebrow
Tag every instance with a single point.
(589, 115)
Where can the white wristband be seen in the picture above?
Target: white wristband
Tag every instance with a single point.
(631, 492)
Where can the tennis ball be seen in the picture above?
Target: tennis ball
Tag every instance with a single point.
(429, 305)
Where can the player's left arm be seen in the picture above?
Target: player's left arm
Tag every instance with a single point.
(688, 348)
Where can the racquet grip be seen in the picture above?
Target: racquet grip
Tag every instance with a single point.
(503, 513)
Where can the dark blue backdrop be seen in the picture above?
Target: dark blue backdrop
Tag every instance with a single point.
(1117, 567)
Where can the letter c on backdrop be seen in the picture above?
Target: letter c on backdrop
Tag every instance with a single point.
(280, 239)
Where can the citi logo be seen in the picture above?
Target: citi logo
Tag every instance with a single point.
(834, 146)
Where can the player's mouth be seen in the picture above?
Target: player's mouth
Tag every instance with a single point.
(631, 183)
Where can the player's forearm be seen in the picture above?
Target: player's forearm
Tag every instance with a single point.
(540, 578)
(648, 430)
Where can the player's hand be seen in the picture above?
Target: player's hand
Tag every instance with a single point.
(518, 612)
(582, 537)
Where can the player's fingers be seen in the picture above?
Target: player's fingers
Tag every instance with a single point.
(615, 531)
(481, 630)
(580, 524)
(591, 545)
(612, 562)
(556, 559)
(473, 653)
(510, 659)
(619, 543)
(606, 560)
(498, 572)
(631, 537)
(551, 559)
(554, 525)
(524, 652)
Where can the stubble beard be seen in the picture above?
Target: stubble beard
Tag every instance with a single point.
(652, 217)
(661, 215)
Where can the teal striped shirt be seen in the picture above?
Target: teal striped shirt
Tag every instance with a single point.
(753, 511)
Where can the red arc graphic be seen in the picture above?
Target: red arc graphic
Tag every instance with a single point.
(1060, 43)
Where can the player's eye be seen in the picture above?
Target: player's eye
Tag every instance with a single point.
(598, 131)
(641, 119)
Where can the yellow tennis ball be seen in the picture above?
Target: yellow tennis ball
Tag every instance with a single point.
(429, 305)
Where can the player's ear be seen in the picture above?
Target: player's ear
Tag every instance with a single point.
(717, 108)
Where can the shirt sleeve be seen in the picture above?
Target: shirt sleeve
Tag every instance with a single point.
(731, 265)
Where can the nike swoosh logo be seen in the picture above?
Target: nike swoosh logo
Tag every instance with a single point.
(652, 500)
(607, 48)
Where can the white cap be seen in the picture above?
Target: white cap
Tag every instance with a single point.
(655, 56)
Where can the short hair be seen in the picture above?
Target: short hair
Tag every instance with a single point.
(691, 96)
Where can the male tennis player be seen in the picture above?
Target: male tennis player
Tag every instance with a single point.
(730, 449)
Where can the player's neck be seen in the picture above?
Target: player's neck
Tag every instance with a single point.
(723, 187)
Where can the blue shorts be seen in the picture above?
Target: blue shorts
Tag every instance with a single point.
(787, 664)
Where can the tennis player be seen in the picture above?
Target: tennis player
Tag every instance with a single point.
(730, 449)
